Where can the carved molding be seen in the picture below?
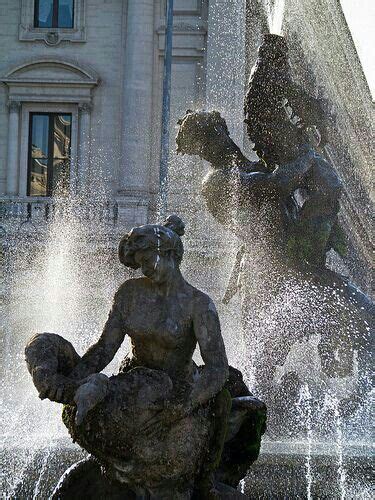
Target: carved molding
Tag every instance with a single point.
(51, 36)
(185, 8)
(38, 81)
(85, 107)
(184, 27)
(14, 106)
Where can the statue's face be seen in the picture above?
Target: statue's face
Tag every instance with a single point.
(155, 265)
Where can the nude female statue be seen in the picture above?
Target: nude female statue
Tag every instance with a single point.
(160, 424)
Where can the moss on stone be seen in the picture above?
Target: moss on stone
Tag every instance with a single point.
(338, 240)
(309, 241)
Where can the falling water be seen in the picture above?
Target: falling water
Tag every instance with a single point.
(242, 486)
(62, 281)
(43, 469)
(67, 285)
(275, 15)
(333, 404)
(304, 407)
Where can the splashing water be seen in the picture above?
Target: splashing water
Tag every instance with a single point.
(333, 404)
(64, 282)
(43, 470)
(61, 281)
(157, 259)
(275, 15)
(242, 486)
(304, 408)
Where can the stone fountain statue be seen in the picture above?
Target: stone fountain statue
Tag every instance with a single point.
(284, 208)
(163, 428)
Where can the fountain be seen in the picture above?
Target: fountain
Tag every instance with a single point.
(73, 269)
(163, 427)
(283, 208)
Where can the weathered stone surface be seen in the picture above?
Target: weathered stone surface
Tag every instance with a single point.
(162, 425)
(284, 208)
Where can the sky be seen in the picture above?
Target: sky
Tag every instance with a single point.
(360, 16)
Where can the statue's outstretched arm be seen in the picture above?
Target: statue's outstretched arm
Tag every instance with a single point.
(206, 135)
(101, 354)
(210, 341)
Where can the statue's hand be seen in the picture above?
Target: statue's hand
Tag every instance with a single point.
(52, 386)
(53, 392)
(92, 391)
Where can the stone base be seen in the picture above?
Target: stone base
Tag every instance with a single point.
(132, 209)
(85, 479)
(279, 472)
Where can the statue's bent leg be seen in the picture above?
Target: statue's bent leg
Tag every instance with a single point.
(245, 426)
(86, 480)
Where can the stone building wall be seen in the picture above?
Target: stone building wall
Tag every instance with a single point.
(102, 52)
(117, 116)
(328, 61)
(115, 61)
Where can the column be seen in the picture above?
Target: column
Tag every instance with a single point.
(13, 148)
(84, 146)
(226, 60)
(137, 112)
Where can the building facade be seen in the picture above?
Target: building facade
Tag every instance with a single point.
(81, 94)
(97, 65)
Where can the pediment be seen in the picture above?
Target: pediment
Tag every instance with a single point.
(50, 71)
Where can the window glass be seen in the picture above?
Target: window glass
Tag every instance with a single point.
(39, 144)
(38, 177)
(65, 13)
(49, 154)
(54, 14)
(43, 13)
(61, 144)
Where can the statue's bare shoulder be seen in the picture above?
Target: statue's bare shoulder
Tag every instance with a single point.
(130, 287)
(202, 303)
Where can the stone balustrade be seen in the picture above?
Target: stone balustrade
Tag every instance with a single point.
(16, 211)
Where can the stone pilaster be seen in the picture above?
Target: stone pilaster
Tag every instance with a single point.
(13, 148)
(133, 194)
(84, 145)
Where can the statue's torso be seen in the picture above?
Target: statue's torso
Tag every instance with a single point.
(160, 328)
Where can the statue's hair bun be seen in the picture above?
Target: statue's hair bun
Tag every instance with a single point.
(176, 224)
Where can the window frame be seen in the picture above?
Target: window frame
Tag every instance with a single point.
(50, 157)
(28, 32)
(55, 16)
(39, 108)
